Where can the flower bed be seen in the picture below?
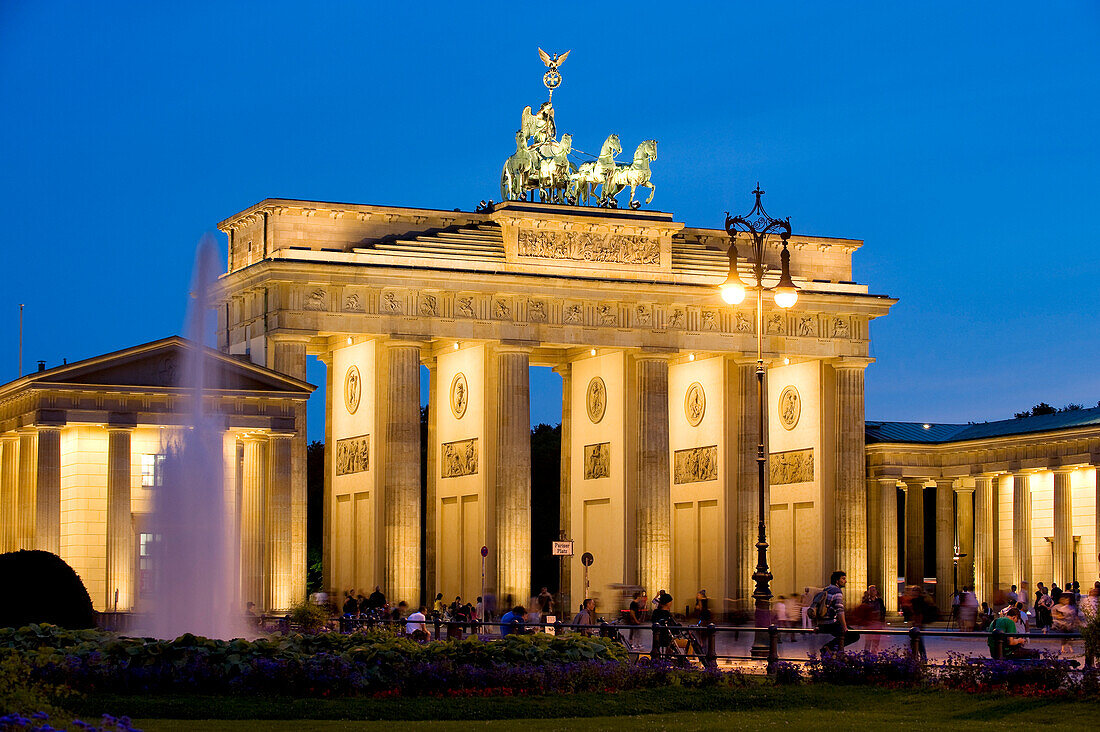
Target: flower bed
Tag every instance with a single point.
(369, 663)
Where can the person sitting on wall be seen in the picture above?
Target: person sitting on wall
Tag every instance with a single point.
(416, 627)
(512, 622)
(1008, 646)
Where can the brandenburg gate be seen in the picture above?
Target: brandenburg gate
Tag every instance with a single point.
(659, 408)
(658, 476)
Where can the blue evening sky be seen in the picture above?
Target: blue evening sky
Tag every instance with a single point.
(959, 140)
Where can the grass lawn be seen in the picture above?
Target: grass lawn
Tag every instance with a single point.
(759, 705)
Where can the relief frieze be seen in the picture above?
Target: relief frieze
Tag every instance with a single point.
(589, 247)
(791, 466)
(459, 458)
(696, 464)
(353, 455)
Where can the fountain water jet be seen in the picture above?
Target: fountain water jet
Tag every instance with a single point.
(195, 554)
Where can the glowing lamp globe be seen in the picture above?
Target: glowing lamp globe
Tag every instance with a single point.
(786, 297)
(733, 292)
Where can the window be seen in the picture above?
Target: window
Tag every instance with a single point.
(152, 471)
(145, 564)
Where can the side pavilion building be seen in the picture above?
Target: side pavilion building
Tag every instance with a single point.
(82, 448)
(658, 473)
(1018, 497)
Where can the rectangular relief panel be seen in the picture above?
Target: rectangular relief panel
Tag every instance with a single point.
(353, 455)
(792, 466)
(597, 461)
(459, 458)
(696, 464)
(589, 246)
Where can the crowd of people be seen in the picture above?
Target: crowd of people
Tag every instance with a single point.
(1013, 613)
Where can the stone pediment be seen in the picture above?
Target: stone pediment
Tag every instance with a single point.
(161, 364)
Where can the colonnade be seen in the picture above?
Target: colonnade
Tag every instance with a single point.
(969, 514)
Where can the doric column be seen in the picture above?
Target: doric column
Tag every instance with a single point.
(964, 532)
(287, 355)
(985, 514)
(565, 516)
(887, 518)
(653, 502)
(120, 539)
(432, 489)
(9, 491)
(278, 579)
(28, 463)
(513, 472)
(1063, 528)
(47, 519)
(252, 520)
(748, 492)
(401, 473)
(914, 532)
(874, 534)
(1021, 533)
(945, 543)
(850, 508)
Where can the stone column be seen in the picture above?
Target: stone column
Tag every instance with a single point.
(1021, 534)
(401, 474)
(1063, 528)
(653, 500)
(28, 463)
(47, 519)
(985, 515)
(281, 592)
(565, 515)
(887, 518)
(964, 532)
(431, 494)
(287, 355)
(513, 473)
(914, 532)
(9, 491)
(850, 509)
(252, 521)
(874, 539)
(120, 535)
(748, 518)
(945, 543)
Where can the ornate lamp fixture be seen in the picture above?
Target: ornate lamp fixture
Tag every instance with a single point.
(758, 225)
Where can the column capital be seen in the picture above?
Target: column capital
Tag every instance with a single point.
(913, 483)
(514, 345)
(944, 482)
(279, 337)
(397, 340)
(851, 363)
(963, 488)
(1062, 470)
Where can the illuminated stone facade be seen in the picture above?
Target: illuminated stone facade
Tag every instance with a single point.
(626, 300)
(81, 451)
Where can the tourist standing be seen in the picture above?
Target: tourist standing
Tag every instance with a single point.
(1012, 597)
(1065, 620)
(635, 615)
(873, 610)
(1044, 603)
(546, 604)
(702, 607)
(968, 610)
(835, 623)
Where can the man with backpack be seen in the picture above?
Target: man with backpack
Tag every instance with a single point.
(827, 612)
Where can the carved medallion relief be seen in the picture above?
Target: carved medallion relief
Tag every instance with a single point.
(353, 455)
(459, 458)
(696, 464)
(353, 389)
(790, 407)
(460, 395)
(597, 461)
(695, 403)
(596, 399)
(791, 466)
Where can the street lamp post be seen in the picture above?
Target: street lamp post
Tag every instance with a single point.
(759, 226)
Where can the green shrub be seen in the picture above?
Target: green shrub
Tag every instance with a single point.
(307, 616)
(40, 588)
